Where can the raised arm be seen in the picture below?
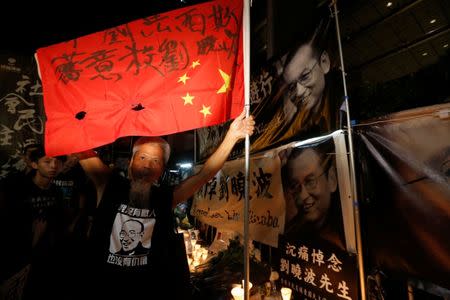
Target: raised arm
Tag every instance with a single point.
(95, 169)
(238, 130)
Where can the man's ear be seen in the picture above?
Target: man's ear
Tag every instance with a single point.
(332, 179)
(34, 165)
(325, 62)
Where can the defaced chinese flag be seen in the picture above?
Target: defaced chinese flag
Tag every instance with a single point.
(159, 75)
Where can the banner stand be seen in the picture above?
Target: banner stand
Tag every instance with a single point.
(352, 161)
(246, 39)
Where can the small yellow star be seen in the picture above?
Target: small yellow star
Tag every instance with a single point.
(205, 111)
(195, 63)
(226, 79)
(183, 78)
(188, 99)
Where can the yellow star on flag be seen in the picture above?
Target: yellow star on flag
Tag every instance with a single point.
(195, 63)
(183, 78)
(205, 111)
(188, 99)
(226, 79)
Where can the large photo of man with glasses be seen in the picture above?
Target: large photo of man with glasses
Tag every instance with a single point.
(296, 95)
(302, 104)
(310, 186)
(315, 259)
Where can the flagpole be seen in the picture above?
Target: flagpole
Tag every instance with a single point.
(352, 163)
(246, 39)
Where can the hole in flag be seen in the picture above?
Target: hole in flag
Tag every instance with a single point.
(138, 107)
(80, 115)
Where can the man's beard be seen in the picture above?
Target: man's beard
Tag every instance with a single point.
(141, 174)
(140, 193)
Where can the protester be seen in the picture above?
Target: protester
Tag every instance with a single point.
(142, 199)
(31, 222)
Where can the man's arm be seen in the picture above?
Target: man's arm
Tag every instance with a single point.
(95, 169)
(239, 128)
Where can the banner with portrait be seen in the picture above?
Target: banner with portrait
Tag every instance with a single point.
(316, 185)
(406, 188)
(21, 110)
(317, 249)
(293, 96)
(276, 208)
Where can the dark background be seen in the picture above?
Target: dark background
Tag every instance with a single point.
(395, 58)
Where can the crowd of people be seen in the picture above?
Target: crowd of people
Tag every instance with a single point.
(73, 215)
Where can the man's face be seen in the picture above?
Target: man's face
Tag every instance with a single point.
(305, 75)
(309, 189)
(130, 235)
(148, 163)
(48, 167)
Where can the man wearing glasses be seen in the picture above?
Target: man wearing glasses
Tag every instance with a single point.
(301, 104)
(304, 75)
(310, 184)
(130, 237)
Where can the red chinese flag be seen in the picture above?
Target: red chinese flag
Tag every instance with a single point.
(156, 76)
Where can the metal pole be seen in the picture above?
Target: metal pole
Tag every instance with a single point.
(246, 39)
(362, 281)
(195, 148)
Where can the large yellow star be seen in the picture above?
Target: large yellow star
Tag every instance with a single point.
(188, 99)
(183, 78)
(205, 111)
(195, 63)
(226, 79)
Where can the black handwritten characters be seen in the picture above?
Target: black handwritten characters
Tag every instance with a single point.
(221, 200)
(166, 73)
(317, 270)
(21, 118)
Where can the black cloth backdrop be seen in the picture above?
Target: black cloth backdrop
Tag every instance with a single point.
(406, 193)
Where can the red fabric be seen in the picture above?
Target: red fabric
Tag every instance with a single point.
(128, 80)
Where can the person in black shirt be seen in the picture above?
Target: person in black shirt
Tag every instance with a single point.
(142, 199)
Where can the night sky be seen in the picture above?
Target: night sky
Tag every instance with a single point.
(24, 32)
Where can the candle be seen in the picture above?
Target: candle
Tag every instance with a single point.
(204, 256)
(249, 285)
(237, 293)
(286, 293)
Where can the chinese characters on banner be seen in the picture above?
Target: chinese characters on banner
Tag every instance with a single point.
(159, 75)
(317, 270)
(220, 202)
(21, 121)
